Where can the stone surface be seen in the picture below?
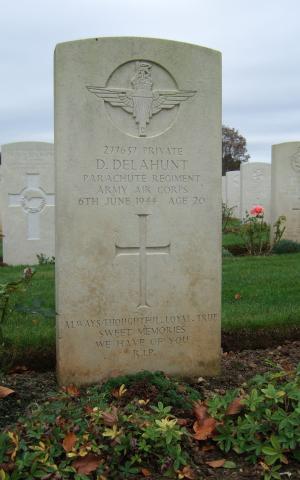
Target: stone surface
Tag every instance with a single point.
(224, 200)
(285, 195)
(233, 194)
(28, 201)
(256, 187)
(138, 176)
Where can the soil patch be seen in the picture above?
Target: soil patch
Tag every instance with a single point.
(261, 338)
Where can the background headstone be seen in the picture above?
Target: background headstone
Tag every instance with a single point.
(28, 201)
(256, 187)
(285, 196)
(224, 200)
(138, 168)
(233, 193)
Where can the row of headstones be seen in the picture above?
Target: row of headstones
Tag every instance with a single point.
(26, 166)
(275, 186)
(138, 273)
(27, 196)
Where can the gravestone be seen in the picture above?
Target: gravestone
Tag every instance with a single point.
(256, 187)
(138, 169)
(28, 201)
(285, 195)
(233, 192)
(224, 200)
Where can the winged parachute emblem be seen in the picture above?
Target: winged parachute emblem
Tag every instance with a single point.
(142, 101)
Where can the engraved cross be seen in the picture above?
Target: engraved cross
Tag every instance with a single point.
(33, 200)
(143, 251)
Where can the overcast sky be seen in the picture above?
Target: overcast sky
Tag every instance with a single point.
(259, 40)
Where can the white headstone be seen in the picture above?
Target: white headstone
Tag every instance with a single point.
(224, 200)
(256, 187)
(285, 196)
(138, 168)
(233, 192)
(28, 201)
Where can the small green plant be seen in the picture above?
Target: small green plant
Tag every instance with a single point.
(286, 246)
(262, 422)
(227, 216)
(278, 230)
(44, 260)
(9, 289)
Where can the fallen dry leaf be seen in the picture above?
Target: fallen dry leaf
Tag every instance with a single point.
(216, 463)
(200, 411)
(110, 418)
(87, 464)
(19, 369)
(88, 409)
(72, 390)
(264, 466)
(60, 421)
(4, 392)
(119, 392)
(146, 472)
(182, 421)
(207, 448)
(205, 430)
(235, 406)
(188, 473)
(237, 296)
(69, 441)
(7, 467)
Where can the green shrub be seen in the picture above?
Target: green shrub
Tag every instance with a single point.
(286, 246)
(261, 422)
(84, 435)
(44, 260)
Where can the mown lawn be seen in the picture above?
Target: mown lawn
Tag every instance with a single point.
(33, 333)
(267, 291)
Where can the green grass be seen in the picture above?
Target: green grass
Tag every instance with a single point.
(269, 288)
(30, 333)
(232, 238)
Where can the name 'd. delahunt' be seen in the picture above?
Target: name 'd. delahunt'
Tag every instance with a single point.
(136, 165)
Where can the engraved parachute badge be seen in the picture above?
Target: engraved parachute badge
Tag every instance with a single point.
(142, 101)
